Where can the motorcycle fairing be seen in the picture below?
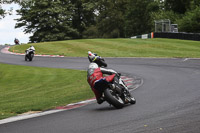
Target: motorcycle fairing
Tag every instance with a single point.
(110, 78)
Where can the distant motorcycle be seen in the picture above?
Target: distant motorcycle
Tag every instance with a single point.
(29, 54)
(119, 95)
(16, 41)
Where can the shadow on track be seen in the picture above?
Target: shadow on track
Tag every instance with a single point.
(110, 108)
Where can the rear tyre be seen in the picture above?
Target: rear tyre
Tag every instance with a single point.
(112, 98)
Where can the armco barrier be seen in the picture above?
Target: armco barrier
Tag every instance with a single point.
(179, 35)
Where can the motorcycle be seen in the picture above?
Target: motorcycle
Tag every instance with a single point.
(117, 93)
(99, 60)
(29, 54)
(16, 41)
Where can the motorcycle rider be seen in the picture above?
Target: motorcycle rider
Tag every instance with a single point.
(96, 59)
(97, 81)
(31, 48)
(16, 41)
(92, 56)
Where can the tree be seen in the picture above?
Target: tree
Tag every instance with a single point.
(51, 20)
(110, 18)
(178, 6)
(138, 16)
(56, 20)
(197, 2)
(83, 14)
(191, 21)
(194, 4)
(2, 12)
(47, 20)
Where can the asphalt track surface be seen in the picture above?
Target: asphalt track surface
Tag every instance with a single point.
(167, 102)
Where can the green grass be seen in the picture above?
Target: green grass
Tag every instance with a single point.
(118, 48)
(24, 88)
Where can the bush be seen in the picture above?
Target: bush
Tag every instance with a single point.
(191, 21)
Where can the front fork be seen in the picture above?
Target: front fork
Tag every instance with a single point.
(119, 87)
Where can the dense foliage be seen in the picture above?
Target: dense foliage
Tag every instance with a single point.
(191, 21)
(51, 20)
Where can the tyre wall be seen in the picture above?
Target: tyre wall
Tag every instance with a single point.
(179, 35)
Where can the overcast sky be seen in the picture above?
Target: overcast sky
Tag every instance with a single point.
(7, 28)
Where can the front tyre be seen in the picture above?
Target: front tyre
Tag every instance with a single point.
(31, 57)
(112, 98)
(25, 58)
(130, 98)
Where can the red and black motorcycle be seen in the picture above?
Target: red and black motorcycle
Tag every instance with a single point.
(117, 93)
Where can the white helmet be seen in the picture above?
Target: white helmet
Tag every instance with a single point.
(31, 47)
(93, 66)
(90, 55)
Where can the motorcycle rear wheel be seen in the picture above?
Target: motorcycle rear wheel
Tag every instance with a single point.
(112, 98)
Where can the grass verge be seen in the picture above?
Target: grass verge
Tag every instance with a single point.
(25, 88)
(118, 48)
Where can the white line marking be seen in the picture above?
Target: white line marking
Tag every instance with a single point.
(27, 116)
(185, 59)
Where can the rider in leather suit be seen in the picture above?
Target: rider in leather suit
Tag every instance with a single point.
(31, 48)
(97, 81)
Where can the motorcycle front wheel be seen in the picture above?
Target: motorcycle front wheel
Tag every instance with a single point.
(31, 57)
(130, 98)
(112, 98)
(25, 58)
